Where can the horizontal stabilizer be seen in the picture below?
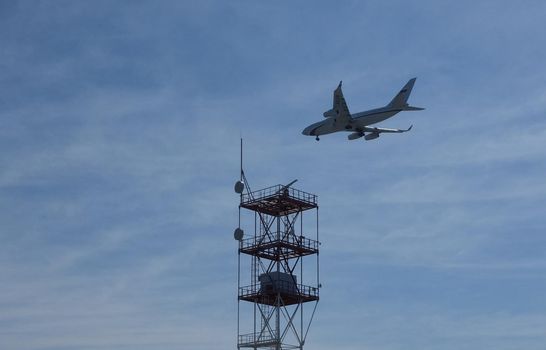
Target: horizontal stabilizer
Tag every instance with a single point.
(411, 108)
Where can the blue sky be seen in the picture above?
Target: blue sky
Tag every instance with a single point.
(120, 125)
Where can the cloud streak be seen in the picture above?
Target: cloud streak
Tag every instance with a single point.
(119, 141)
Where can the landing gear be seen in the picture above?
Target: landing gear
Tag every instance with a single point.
(317, 138)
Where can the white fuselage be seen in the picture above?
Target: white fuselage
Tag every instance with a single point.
(357, 122)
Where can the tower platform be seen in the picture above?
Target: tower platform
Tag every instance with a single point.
(259, 340)
(279, 246)
(289, 295)
(278, 200)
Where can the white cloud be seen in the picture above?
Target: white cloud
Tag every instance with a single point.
(120, 148)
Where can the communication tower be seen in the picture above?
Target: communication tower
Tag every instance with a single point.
(272, 288)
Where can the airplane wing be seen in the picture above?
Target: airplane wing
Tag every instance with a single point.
(339, 110)
(380, 130)
(339, 102)
(373, 133)
(340, 106)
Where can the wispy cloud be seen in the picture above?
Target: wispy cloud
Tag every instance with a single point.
(119, 134)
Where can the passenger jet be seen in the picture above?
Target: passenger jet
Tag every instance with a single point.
(339, 119)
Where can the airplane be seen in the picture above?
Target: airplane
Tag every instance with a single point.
(340, 119)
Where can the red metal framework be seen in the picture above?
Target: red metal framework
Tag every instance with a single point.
(289, 296)
(278, 200)
(276, 289)
(275, 247)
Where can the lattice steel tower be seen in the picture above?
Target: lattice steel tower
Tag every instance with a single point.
(272, 289)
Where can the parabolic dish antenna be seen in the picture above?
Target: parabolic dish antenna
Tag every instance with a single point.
(239, 187)
(238, 234)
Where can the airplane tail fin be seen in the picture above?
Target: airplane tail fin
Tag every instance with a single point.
(401, 99)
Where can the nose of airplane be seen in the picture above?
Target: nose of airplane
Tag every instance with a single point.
(308, 130)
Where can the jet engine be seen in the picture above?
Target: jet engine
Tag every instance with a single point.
(329, 113)
(355, 135)
(371, 136)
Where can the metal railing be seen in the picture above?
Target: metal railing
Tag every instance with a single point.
(274, 237)
(275, 286)
(279, 190)
(257, 338)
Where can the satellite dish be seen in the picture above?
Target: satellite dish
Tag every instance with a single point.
(238, 234)
(239, 187)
